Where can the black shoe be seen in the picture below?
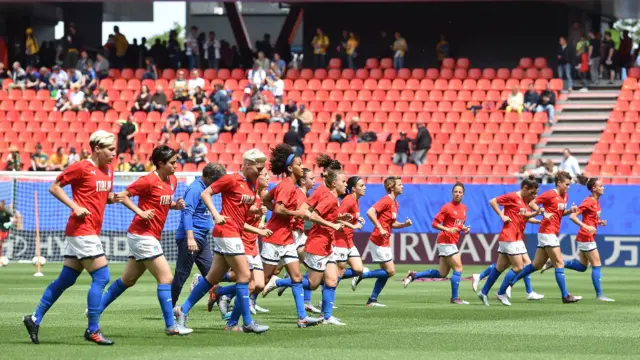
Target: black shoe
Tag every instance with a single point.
(569, 299)
(32, 328)
(97, 337)
(213, 297)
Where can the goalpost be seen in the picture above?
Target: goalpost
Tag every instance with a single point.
(40, 219)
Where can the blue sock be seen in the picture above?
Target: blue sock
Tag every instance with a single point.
(307, 296)
(494, 274)
(236, 312)
(575, 265)
(596, 274)
(455, 284)
(253, 297)
(99, 280)
(115, 289)
(348, 273)
(328, 298)
(66, 278)
(226, 278)
(486, 271)
(529, 269)
(201, 289)
(284, 282)
(227, 290)
(378, 274)
(506, 282)
(298, 297)
(305, 283)
(527, 284)
(378, 286)
(561, 282)
(242, 299)
(164, 298)
(428, 274)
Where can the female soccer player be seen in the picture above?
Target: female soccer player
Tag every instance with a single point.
(238, 195)
(91, 183)
(155, 192)
(450, 221)
(345, 251)
(383, 215)
(590, 210)
(511, 249)
(280, 247)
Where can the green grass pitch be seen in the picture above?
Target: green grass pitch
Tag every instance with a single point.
(419, 323)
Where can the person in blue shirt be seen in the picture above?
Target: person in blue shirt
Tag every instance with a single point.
(195, 225)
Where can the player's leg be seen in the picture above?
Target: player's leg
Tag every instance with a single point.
(161, 271)
(132, 272)
(502, 264)
(217, 271)
(355, 264)
(517, 263)
(593, 257)
(531, 295)
(330, 277)
(539, 260)
(184, 264)
(389, 269)
(441, 272)
(555, 255)
(100, 277)
(380, 255)
(240, 267)
(204, 258)
(454, 262)
(257, 277)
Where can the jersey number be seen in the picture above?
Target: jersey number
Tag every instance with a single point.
(165, 200)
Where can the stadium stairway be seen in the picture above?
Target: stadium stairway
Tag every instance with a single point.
(580, 119)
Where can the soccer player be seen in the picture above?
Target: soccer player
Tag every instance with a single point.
(590, 210)
(155, 198)
(91, 183)
(345, 251)
(450, 221)
(511, 248)
(6, 222)
(195, 224)
(383, 215)
(280, 247)
(554, 205)
(238, 195)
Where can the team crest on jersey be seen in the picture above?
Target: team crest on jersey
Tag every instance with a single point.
(562, 206)
(523, 211)
(156, 249)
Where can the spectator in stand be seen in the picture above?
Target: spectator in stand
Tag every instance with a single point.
(354, 129)
(594, 54)
(338, 131)
(84, 60)
(73, 45)
(230, 122)
(173, 50)
(121, 45)
(531, 99)
(564, 65)
(39, 160)
(173, 122)
(292, 138)
(31, 48)
(624, 53)
(421, 145)
(257, 76)
(73, 157)
(547, 102)
(209, 131)
(401, 151)
(569, 164)
(84, 154)
(75, 78)
(151, 71)
(126, 135)
(191, 49)
(183, 153)
(320, 43)
(399, 48)
(136, 165)
(90, 78)
(342, 47)
(609, 56)
(73, 100)
(515, 101)
(19, 77)
(217, 116)
(101, 66)
(281, 64)
(186, 121)
(44, 76)
(195, 82)
(14, 162)
(200, 101)
(58, 161)
(180, 92)
(197, 152)
(212, 51)
(442, 49)
(58, 79)
(289, 110)
(143, 101)
(302, 120)
(219, 97)
(159, 100)
(277, 88)
(4, 73)
(582, 56)
(122, 165)
(102, 100)
(263, 62)
(33, 79)
(351, 50)
(278, 111)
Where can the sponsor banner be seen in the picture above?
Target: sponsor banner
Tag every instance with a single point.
(408, 248)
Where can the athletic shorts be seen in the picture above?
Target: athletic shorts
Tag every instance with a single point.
(83, 247)
(343, 254)
(447, 249)
(512, 247)
(255, 263)
(143, 247)
(228, 246)
(318, 262)
(587, 246)
(278, 254)
(548, 240)
(299, 238)
(380, 254)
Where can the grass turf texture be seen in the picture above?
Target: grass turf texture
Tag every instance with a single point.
(419, 322)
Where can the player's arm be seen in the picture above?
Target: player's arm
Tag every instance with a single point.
(126, 201)
(372, 214)
(111, 199)
(280, 209)
(357, 226)
(574, 218)
(267, 201)
(57, 192)
(572, 210)
(178, 204)
(314, 217)
(191, 199)
(255, 230)
(207, 198)
(496, 208)
(401, 225)
(533, 220)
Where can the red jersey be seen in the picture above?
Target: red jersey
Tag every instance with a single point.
(514, 207)
(320, 238)
(249, 239)
(555, 204)
(301, 197)
(387, 212)
(153, 194)
(90, 188)
(349, 205)
(590, 210)
(282, 226)
(451, 215)
(237, 197)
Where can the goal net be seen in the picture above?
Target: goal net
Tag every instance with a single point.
(18, 189)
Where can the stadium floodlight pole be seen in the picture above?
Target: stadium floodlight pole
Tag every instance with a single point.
(37, 219)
